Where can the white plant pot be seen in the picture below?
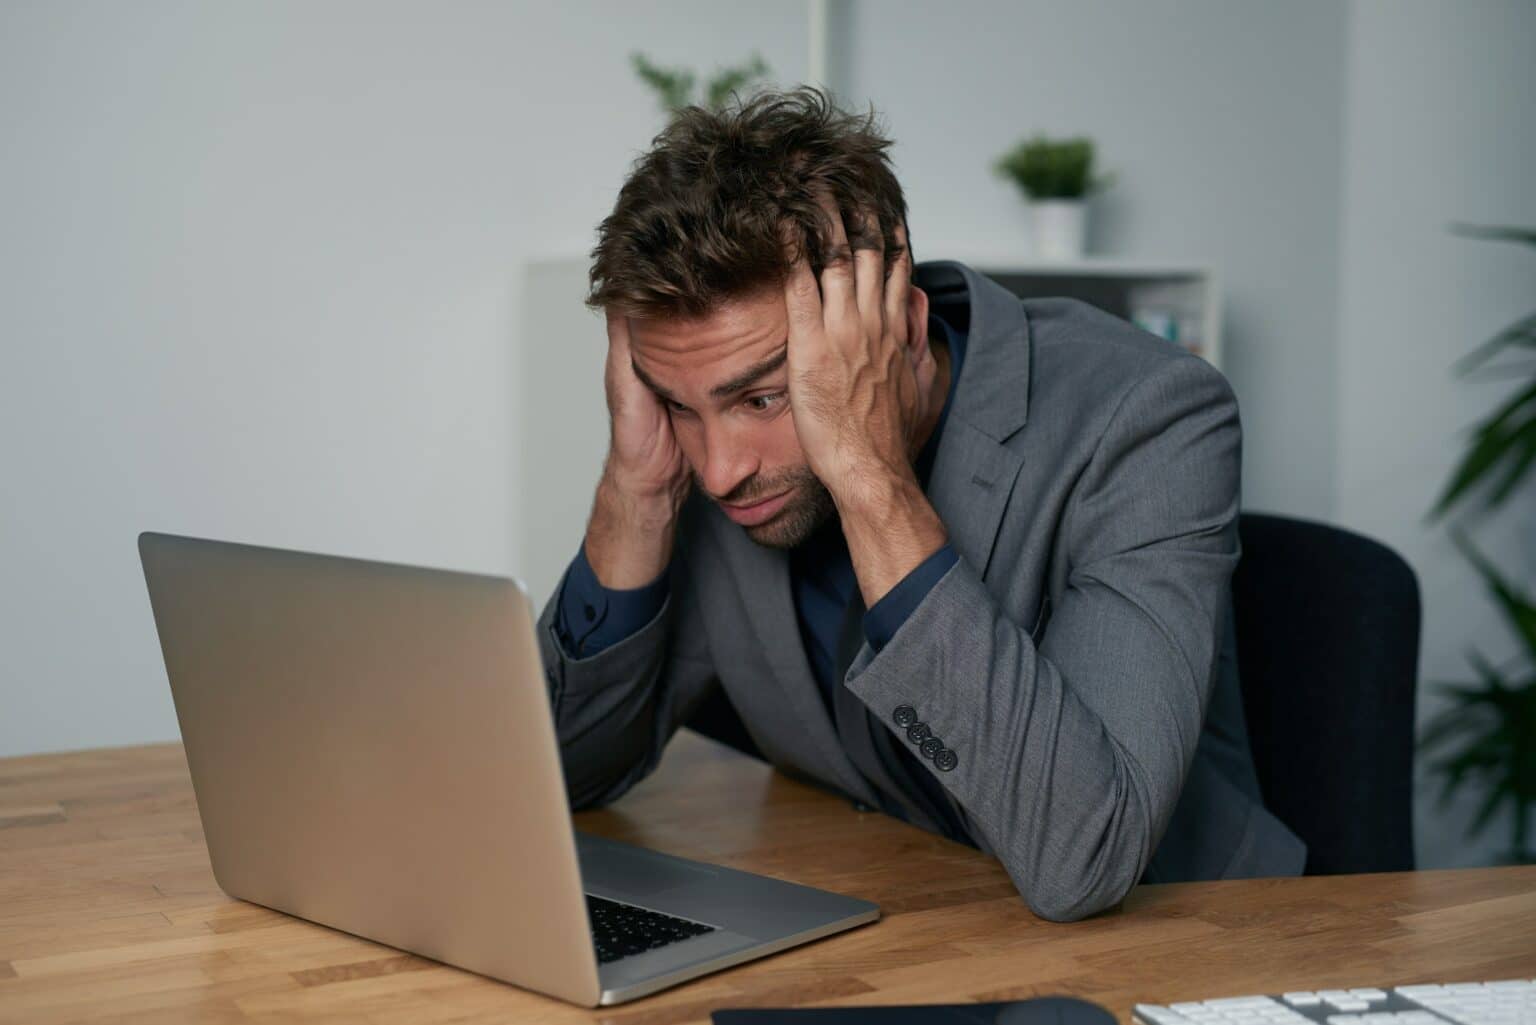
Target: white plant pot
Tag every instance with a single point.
(1057, 228)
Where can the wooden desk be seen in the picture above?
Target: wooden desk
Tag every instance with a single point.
(108, 910)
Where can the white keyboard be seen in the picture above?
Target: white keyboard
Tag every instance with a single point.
(1510, 1002)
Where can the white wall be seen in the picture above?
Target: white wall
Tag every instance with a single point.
(262, 265)
(1439, 131)
(1223, 121)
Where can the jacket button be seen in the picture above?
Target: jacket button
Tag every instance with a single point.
(931, 747)
(918, 732)
(945, 760)
(905, 715)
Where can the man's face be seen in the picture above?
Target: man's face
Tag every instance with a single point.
(725, 385)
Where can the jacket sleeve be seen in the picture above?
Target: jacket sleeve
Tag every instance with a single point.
(615, 710)
(590, 617)
(1068, 757)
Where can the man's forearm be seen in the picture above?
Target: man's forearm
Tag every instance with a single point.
(891, 528)
(630, 534)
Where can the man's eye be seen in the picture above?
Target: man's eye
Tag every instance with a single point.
(676, 407)
(763, 403)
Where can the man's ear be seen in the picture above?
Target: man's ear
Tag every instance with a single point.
(917, 316)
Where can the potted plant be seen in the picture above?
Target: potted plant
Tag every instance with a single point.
(674, 86)
(1490, 727)
(1056, 177)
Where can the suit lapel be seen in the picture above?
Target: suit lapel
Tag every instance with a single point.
(762, 577)
(973, 477)
(974, 471)
(993, 393)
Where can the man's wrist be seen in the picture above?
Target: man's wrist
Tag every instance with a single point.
(630, 535)
(642, 502)
(891, 528)
(871, 486)
(591, 618)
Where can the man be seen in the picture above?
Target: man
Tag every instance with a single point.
(958, 556)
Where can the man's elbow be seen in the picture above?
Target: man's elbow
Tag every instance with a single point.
(1061, 903)
(1097, 878)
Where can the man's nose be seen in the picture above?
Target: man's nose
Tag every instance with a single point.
(727, 462)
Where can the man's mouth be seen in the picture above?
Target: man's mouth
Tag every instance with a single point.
(753, 513)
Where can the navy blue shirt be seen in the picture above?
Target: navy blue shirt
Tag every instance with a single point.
(591, 617)
(821, 569)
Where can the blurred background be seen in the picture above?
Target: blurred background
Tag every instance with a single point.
(301, 274)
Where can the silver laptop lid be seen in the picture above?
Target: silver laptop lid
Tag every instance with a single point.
(371, 749)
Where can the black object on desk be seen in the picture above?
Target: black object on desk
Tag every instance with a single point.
(1039, 1011)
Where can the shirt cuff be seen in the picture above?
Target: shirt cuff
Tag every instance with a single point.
(592, 617)
(882, 621)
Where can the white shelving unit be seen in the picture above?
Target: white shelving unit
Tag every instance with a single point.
(1179, 302)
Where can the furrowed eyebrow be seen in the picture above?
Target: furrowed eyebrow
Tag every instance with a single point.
(743, 380)
(652, 385)
(750, 375)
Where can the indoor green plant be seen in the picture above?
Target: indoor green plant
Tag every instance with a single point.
(1490, 727)
(674, 87)
(1056, 177)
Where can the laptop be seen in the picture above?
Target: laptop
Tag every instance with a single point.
(372, 749)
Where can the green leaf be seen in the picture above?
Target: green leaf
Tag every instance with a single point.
(1445, 726)
(1497, 795)
(1492, 680)
(1521, 333)
(1497, 232)
(1497, 718)
(1506, 434)
(1514, 470)
(1515, 604)
(1051, 169)
(731, 80)
(673, 86)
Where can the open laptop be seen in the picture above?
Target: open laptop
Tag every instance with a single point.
(372, 749)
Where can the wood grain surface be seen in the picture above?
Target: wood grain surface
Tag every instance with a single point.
(109, 912)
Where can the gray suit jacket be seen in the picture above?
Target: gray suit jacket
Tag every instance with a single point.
(1088, 476)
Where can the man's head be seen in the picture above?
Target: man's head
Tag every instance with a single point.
(696, 252)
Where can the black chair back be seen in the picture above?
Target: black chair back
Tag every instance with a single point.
(1327, 646)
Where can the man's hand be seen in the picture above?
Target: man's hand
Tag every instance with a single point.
(858, 384)
(644, 459)
(645, 478)
(859, 391)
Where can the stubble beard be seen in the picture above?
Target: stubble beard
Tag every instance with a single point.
(808, 508)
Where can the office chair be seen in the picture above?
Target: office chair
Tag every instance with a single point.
(1327, 642)
(1327, 628)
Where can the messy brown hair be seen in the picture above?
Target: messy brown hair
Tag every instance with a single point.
(702, 217)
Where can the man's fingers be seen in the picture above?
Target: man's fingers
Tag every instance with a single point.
(802, 300)
(869, 273)
(837, 295)
(925, 370)
(618, 353)
(896, 288)
(618, 332)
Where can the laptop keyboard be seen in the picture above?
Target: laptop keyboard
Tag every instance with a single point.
(620, 930)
